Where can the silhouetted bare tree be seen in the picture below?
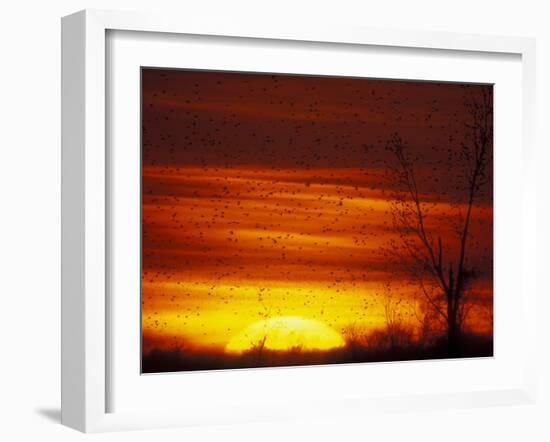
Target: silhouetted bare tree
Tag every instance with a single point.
(441, 270)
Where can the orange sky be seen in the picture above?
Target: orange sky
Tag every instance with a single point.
(233, 235)
(237, 243)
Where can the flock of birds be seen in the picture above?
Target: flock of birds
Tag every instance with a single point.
(250, 179)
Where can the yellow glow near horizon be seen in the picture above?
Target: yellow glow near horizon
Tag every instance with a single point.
(208, 314)
(286, 333)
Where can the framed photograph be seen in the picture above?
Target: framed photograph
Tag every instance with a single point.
(262, 222)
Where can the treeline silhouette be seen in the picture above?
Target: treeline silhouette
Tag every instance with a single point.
(381, 345)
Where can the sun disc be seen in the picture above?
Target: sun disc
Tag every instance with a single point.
(286, 333)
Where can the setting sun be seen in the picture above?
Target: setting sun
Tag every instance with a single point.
(286, 333)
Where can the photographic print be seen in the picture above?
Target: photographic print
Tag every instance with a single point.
(304, 220)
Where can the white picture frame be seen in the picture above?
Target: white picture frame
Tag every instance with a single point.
(85, 205)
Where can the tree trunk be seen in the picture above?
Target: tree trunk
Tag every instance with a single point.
(452, 319)
(453, 333)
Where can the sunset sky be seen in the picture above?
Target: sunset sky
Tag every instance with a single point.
(267, 196)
